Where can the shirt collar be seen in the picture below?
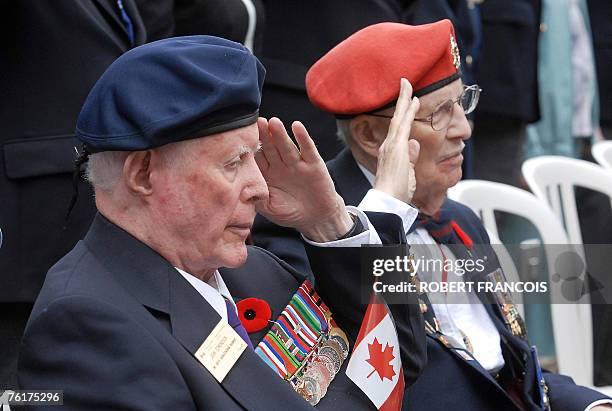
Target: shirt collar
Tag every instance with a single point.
(368, 175)
(215, 292)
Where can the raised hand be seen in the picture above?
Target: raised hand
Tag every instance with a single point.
(398, 153)
(302, 193)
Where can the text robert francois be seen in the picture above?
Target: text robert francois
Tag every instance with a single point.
(399, 273)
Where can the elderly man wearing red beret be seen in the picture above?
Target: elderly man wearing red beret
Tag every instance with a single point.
(479, 357)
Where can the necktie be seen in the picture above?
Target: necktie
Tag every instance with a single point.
(234, 322)
(442, 228)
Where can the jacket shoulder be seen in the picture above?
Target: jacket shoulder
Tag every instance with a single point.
(77, 273)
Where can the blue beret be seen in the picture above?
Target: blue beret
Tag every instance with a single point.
(171, 90)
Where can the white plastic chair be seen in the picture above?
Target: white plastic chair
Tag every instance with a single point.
(553, 178)
(602, 153)
(572, 324)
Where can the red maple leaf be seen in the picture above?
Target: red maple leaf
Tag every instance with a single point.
(381, 360)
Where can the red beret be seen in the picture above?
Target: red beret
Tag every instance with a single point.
(362, 73)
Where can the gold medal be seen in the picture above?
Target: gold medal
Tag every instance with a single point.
(467, 342)
(422, 306)
(444, 341)
(340, 337)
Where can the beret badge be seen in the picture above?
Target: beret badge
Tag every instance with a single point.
(455, 52)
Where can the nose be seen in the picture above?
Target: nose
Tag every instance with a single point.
(256, 188)
(459, 126)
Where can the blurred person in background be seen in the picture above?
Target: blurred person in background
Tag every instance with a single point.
(569, 124)
(507, 72)
(52, 52)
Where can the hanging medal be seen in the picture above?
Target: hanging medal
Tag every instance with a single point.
(305, 346)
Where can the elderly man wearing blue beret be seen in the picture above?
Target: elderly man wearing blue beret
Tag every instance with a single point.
(162, 306)
(478, 354)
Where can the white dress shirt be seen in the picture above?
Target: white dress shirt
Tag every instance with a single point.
(214, 291)
(459, 312)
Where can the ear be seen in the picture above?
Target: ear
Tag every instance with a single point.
(367, 135)
(137, 173)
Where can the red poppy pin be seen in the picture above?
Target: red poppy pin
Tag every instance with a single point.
(254, 314)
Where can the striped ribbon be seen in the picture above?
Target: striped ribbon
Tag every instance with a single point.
(295, 333)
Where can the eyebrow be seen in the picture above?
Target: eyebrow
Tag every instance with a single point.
(445, 100)
(244, 149)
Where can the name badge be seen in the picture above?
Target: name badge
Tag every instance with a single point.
(220, 350)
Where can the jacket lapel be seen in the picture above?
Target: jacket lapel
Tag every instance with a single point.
(250, 382)
(156, 284)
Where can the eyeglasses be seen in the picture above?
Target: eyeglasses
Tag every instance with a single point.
(442, 115)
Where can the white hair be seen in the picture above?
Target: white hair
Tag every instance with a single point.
(343, 132)
(104, 169)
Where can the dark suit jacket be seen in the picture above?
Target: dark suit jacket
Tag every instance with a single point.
(448, 381)
(52, 52)
(116, 326)
(600, 12)
(507, 69)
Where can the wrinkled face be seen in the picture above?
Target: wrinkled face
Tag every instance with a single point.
(439, 165)
(208, 201)
(440, 159)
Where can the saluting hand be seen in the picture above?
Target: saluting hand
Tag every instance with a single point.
(398, 154)
(302, 193)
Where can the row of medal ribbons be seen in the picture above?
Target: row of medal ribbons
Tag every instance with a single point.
(304, 346)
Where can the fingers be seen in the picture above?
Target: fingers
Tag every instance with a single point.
(288, 152)
(262, 162)
(267, 144)
(308, 149)
(399, 110)
(409, 115)
(262, 126)
(260, 157)
(404, 103)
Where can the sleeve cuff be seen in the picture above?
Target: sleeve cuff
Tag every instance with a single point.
(379, 201)
(369, 236)
(599, 402)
